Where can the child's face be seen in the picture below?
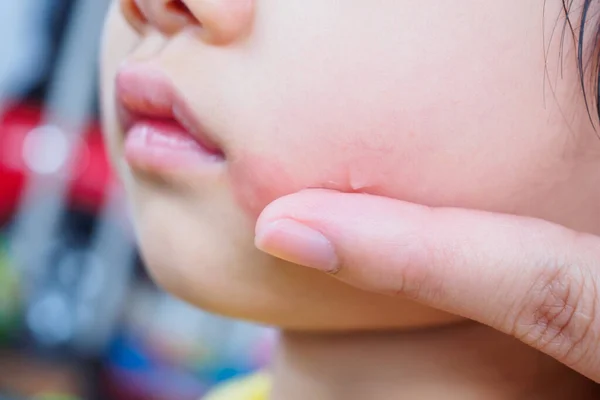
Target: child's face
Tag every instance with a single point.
(471, 104)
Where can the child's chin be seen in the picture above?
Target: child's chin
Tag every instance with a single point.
(274, 293)
(203, 252)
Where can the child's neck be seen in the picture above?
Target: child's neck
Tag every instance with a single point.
(466, 361)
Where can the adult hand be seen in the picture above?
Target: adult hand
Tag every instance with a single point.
(531, 279)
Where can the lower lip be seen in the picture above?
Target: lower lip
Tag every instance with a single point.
(166, 145)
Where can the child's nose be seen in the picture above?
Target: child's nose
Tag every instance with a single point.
(219, 20)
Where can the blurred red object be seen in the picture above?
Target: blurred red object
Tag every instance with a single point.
(90, 176)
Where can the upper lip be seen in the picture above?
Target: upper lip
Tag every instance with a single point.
(145, 92)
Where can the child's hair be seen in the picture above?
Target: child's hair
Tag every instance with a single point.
(591, 99)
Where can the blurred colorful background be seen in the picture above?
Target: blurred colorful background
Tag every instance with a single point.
(79, 318)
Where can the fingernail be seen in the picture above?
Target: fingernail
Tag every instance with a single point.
(297, 243)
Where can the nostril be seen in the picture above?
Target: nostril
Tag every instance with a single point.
(137, 13)
(133, 14)
(179, 7)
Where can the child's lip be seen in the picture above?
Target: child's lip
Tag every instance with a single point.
(144, 92)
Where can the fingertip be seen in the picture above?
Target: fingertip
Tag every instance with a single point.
(298, 243)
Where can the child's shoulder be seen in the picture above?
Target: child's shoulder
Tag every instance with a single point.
(255, 387)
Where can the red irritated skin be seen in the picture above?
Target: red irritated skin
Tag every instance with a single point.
(242, 102)
(256, 180)
(255, 187)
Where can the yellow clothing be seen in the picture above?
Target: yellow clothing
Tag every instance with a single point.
(256, 387)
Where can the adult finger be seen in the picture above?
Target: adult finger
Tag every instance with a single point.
(528, 278)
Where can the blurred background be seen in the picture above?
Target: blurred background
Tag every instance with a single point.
(79, 318)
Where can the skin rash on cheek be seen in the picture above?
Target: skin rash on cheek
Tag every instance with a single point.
(257, 180)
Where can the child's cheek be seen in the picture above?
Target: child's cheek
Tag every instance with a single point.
(258, 180)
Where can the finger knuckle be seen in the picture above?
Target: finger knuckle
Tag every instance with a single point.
(558, 315)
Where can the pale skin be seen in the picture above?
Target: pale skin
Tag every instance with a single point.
(404, 116)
